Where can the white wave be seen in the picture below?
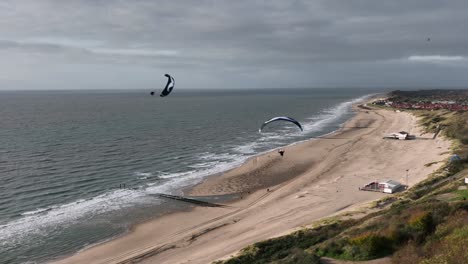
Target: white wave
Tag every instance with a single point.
(209, 164)
(168, 175)
(271, 136)
(201, 165)
(181, 180)
(317, 123)
(37, 211)
(249, 148)
(329, 116)
(143, 175)
(44, 220)
(217, 156)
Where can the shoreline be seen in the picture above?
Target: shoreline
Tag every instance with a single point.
(192, 190)
(186, 191)
(270, 171)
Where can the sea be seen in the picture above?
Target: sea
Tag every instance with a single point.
(80, 167)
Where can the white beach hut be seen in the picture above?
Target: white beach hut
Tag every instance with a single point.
(400, 135)
(389, 186)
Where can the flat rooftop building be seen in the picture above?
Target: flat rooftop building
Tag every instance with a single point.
(389, 186)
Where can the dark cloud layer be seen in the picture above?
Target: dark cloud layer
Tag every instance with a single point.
(232, 44)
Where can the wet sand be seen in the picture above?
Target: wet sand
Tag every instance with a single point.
(313, 180)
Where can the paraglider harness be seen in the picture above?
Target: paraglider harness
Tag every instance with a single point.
(281, 152)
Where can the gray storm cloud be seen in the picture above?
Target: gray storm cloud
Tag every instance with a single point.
(232, 44)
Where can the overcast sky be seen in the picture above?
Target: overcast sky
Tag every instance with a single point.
(92, 44)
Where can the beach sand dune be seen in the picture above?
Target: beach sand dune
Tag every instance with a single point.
(314, 179)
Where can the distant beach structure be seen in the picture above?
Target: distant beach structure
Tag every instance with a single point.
(388, 186)
(402, 135)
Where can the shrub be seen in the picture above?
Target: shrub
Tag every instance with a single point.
(299, 256)
(368, 245)
(334, 248)
(457, 220)
(421, 221)
(408, 254)
(395, 232)
(452, 249)
(286, 248)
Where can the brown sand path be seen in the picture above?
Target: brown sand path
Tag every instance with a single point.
(313, 180)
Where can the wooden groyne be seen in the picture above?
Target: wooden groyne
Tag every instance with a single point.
(189, 200)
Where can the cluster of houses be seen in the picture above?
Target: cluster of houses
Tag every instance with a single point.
(433, 105)
(452, 106)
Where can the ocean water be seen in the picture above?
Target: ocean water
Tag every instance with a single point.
(65, 154)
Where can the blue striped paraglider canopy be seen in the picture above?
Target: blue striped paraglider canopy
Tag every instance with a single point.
(280, 118)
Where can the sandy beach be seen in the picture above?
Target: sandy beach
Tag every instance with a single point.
(313, 180)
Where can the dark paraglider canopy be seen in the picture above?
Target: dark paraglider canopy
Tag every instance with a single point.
(169, 86)
(280, 118)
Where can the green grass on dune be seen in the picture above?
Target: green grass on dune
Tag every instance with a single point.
(461, 195)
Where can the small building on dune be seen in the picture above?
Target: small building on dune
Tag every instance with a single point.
(402, 135)
(399, 135)
(389, 186)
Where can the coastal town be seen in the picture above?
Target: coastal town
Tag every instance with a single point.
(452, 100)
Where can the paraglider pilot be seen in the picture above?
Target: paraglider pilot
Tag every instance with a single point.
(281, 152)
